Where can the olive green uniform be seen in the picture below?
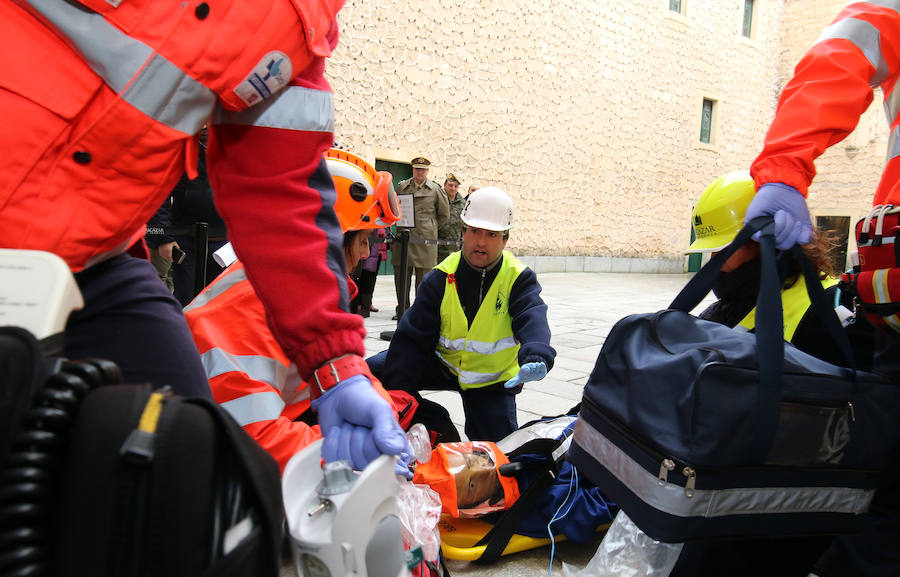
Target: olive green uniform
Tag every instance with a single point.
(453, 229)
(431, 212)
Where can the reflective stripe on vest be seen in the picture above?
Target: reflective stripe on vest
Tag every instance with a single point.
(486, 352)
(259, 368)
(132, 69)
(794, 303)
(218, 287)
(295, 108)
(255, 407)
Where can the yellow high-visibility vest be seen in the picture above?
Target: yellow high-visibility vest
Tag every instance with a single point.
(487, 352)
(794, 302)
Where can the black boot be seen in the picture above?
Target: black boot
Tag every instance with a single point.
(364, 305)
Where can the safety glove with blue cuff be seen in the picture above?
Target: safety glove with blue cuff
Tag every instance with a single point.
(359, 425)
(788, 206)
(528, 372)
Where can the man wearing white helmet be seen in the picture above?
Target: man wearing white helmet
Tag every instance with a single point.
(478, 325)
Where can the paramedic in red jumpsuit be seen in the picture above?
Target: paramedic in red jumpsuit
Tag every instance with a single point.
(100, 106)
(831, 87)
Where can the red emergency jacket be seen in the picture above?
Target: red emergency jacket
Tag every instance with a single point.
(99, 104)
(831, 88)
(249, 374)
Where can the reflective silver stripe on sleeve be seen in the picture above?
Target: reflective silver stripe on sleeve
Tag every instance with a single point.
(217, 288)
(865, 37)
(255, 407)
(129, 67)
(259, 368)
(670, 498)
(294, 108)
(892, 4)
(892, 104)
(893, 147)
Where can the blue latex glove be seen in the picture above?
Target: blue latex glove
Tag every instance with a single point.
(792, 224)
(528, 372)
(359, 425)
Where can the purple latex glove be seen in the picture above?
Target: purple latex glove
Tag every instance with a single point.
(359, 425)
(792, 224)
(528, 372)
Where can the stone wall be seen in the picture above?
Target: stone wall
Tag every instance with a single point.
(587, 112)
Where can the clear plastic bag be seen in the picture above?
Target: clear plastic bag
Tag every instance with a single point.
(419, 509)
(420, 441)
(626, 551)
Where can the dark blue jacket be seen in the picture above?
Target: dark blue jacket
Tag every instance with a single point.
(414, 342)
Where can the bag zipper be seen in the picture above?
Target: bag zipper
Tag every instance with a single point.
(836, 404)
(666, 463)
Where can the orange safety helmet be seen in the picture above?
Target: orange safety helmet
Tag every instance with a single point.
(365, 198)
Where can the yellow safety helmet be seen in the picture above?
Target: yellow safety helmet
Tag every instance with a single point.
(719, 214)
(365, 198)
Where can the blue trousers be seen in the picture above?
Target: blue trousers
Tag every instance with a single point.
(130, 318)
(490, 411)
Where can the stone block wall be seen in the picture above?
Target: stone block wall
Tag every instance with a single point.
(586, 111)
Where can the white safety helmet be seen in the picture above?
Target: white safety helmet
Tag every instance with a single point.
(489, 208)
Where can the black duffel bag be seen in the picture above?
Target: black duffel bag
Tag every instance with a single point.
(697, 430)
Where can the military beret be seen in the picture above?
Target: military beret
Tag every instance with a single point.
(420, 162)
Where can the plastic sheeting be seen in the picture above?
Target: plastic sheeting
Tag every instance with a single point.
(627, 552)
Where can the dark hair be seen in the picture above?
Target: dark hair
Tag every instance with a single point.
(351, 235)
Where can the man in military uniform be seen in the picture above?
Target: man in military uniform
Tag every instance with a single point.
(451, 231)
(431, 211)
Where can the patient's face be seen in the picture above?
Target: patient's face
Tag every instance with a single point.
(475, 475)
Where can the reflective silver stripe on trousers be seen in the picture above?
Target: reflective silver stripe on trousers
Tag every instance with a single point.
(294, 108)
(258, 367)
(470, 377)
(867, 38)
(670, 498)
(479, 347)
(217, 288)
(255, 407)
(132, 69)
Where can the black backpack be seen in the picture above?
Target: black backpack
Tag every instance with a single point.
(99, 478)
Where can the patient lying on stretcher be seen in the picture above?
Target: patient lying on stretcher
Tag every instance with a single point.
(466, 478)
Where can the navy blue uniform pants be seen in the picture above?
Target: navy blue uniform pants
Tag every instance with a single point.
(131, 318)
(490, 411)
(873, 552)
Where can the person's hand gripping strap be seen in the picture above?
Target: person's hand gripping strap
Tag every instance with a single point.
(788, 206)
(528, 372)
(359, 425)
